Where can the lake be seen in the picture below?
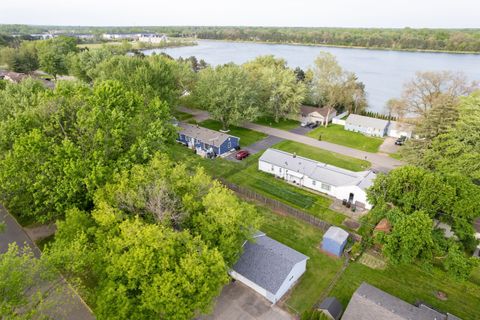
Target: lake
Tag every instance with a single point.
(383, 72)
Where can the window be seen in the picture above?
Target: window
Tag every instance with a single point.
(314, 182)
(273, 168)
(325, 186)
(280, 170)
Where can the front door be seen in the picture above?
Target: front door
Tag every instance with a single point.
(350, 197)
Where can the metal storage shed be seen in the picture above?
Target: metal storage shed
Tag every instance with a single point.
(334, 240)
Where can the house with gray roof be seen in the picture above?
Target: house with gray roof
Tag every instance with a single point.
(269, 267)
(205, 141)
(337, 182)
(366, 125)
(317, 115)
(369, 302)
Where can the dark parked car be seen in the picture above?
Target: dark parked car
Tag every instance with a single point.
(242, 154)
(312, 125)
(400, 141)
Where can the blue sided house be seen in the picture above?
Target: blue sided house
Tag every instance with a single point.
(206, 142)
(334, 240)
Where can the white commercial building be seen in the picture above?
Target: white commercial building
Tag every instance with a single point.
(336, 182)
(153, 38)
(269, 267)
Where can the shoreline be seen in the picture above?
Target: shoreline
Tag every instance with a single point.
(344, 46)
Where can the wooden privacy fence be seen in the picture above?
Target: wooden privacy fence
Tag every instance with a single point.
(278, 206)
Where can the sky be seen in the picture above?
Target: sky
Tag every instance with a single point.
(307, 13)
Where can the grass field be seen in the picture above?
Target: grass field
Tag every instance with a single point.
(246, 174)
(284, 124)
(412, 283)
(266, 184)
(396, 155)
(304, 238)
(325, 156)
(407, 282)
(247, 136)
(182, 116)
(336, 134)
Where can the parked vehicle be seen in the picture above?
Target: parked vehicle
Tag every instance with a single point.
(242, 154)
(312, 125)
(400, 141)
(303, 124)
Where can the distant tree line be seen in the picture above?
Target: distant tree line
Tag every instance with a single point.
(377, 115)
(397, 39)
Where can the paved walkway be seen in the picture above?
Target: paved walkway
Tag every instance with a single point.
(71, 306)
(237, 302)
(379, 162)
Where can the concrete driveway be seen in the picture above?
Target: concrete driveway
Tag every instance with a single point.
(389, 146)
(238, 302)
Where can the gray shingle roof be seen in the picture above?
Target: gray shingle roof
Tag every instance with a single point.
(203, 134)
(366, 122)
(333, 306)
(318, 170)
(322, 111)
(267, 262)
(369, 303)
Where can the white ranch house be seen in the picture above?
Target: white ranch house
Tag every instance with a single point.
(336, 182)
(269, 267)
(378, 127)
(366, 125)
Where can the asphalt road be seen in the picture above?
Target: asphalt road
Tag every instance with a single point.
(66, 303)
(380, 162)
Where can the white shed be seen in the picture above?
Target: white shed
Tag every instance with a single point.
(269, 267)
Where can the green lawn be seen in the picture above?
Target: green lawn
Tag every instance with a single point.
(412, 283)
(284, 124)
(266, 184)
(181, 116)
(396, 155)
(336, 134)
(247, 136)
(325, 156)
(246, 174)
(304, 238)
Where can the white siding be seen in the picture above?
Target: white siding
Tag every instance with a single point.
(358, 194)
(297, 271)
(398, 133)
(365, 130)
(339, 192)
(253, 285)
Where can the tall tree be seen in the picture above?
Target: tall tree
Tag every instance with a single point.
(52, 54)
(23, 293)
(458, 149)
(226, 92)
(333, 87)
(411, 239)
(280, 93)
(432, 89)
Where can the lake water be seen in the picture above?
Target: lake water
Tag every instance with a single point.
(382, 72)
